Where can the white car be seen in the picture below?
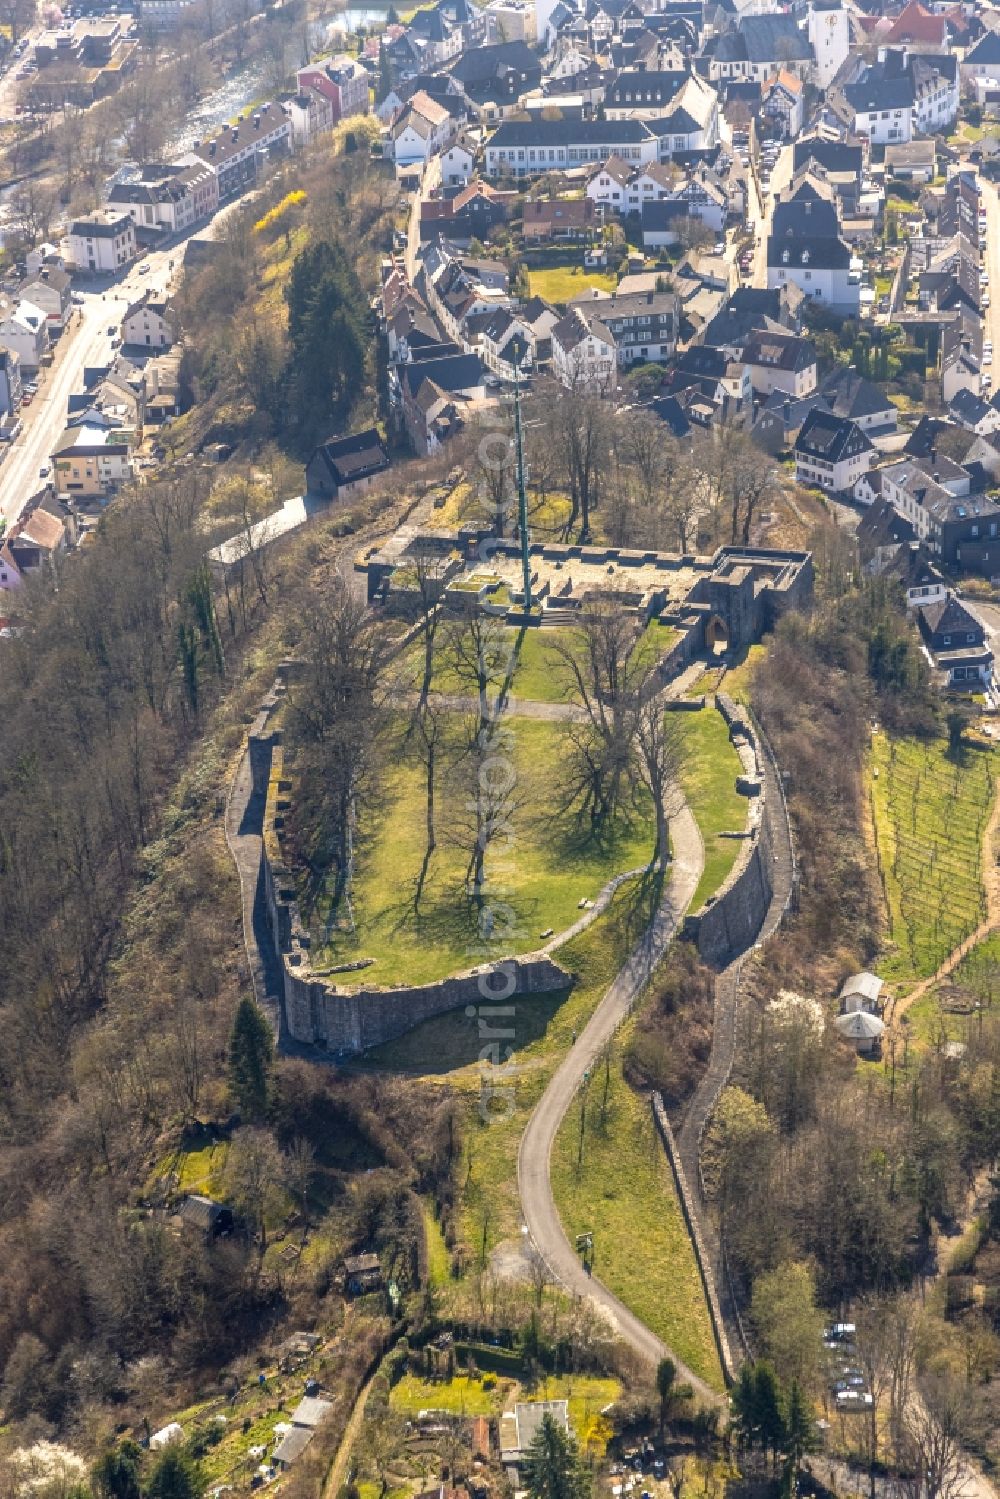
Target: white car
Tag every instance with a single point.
(987, 356)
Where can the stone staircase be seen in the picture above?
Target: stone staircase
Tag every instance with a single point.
(560, 616)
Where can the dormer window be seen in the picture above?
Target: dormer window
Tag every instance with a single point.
(805, 257)
(785, 257)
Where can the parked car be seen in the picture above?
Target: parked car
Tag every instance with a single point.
(43, 472)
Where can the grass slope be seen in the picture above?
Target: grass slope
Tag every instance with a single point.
(623, 1192)
(930, 810)
(708, 776)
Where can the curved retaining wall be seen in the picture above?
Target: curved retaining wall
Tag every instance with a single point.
(730, 922)
(689, 1207)
(321, 1013)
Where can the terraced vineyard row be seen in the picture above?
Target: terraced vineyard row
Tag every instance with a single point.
(930, 811)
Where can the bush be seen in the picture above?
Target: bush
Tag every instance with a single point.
(670, 1044)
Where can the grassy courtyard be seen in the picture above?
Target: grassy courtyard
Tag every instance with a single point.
(532, 655)
(623, 1192)
(930, 810)
(561, 283)
(540, 870)
(708, 775)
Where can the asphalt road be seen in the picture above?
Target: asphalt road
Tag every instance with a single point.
(541, 1217)
(85, 342)
(780, 178)
(10, 84)
(991, 262)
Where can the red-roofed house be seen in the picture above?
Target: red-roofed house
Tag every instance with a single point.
(916, 25)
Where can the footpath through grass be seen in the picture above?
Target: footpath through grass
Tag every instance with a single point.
(708, 776)
(543, 1026)
(643, 1250)
(622, 1191)
(930, 808)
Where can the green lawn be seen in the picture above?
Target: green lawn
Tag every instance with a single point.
(562, 283)
(542, 1026)
(537, 873)
(930, 811)
(979, 970)
(461, 1395)
(438, 1257)
(587, 1395)
(643, 1249)
(654, 642)
(533, 655)
(708, 775)
(979, 974)
(623, 1192)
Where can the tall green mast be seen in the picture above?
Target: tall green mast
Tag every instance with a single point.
(522, 498)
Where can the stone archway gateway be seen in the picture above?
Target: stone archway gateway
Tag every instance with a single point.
(717, 635)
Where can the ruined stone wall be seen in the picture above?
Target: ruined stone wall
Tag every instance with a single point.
(690, 1210)
(728, 923)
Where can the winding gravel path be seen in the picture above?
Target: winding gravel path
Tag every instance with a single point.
(538, 1207)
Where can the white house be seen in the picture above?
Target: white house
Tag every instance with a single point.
(584, 356)
(24, 329)
(150, 323)
(831, 452)
(310, 113)
(102, 242)
(902, 94)
(421, 130)
(458, 162)
(624, 188)
(781, 361)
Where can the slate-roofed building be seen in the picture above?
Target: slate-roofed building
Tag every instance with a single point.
(831, 452)
(498, 74)
(956, 643)
(780, 361)
(851, 395)
(759, 47)
(346, 466)
(524, 147)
